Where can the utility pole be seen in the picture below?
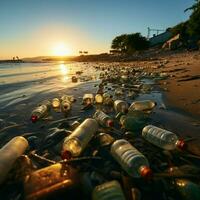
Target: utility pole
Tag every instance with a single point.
(153, 30)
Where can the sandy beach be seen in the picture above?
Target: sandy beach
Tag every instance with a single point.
(181, 87)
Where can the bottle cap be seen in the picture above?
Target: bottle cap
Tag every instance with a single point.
(66, 155)
(110, 123)
(34, 118)
(145, 172)
(180, 144)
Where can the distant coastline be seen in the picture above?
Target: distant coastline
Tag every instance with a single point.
(104, 57)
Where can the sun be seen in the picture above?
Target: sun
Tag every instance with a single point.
(61, 50)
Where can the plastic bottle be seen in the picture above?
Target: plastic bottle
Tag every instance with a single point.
(107, 191)
(9, 154)
(107, 99)
(103, 119)
(162, 138)
(142, 105)
(65, 105)
(120, 106)
(132, 123)
(88, 99)
(69, 98)
(99, 98)
(55, 103)
(105, 139)
(41, 111)
(130, 159)
(75, 143)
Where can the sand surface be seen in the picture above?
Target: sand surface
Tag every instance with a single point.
(182, 87)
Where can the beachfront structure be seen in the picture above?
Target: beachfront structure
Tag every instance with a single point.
(160, 38)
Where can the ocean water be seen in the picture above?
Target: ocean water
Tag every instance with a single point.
(24, 85)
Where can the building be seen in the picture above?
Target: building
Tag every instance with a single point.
(160, 39)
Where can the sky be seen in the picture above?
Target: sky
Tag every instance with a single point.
(31, 28)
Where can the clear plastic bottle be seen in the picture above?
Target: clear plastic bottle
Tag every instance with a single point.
(146, 105)
(162, 138)
(88, 99)
(103, 119)
(99, 98)
(75, 143)
(69, 98)
(55, 103)
(41, 111)
(105, 139)
(9, 154)
(120, 106)
(130, 159)
(107, 99)
(65, 105)
(108, 191)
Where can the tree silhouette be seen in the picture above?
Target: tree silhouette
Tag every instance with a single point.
(194, 21)
(129, 43)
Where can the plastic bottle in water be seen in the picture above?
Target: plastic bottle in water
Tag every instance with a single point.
(132, 123)
(103, 119)
(99, 98)
(65, 105)
(75, 143)
(162, 138)
(69, 98)
(130, 159)
(88, 99)
(107, 99)
(55, 103)
(146, 105)
(107, 191)
(41, 111)
(120, 106)
(9, 154)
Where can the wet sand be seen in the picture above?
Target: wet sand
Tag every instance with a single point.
(25, 88)
(182, 88)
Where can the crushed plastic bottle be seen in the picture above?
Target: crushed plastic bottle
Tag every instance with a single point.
(120, 106)
(146, 105)
(107, 191)
(162, 138)
(99, 99)
(9, 154)
(103, 119)
(41, 111)
(55, 103)
(75, 143)
(54, 179)
(88, 99)
(130, 159)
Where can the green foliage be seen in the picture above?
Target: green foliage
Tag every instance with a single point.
(181, 29)
(129, 43)
(194, 21)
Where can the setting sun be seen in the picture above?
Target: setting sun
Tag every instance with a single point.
(61, 50)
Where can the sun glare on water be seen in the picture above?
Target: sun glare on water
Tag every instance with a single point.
(61, 50)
